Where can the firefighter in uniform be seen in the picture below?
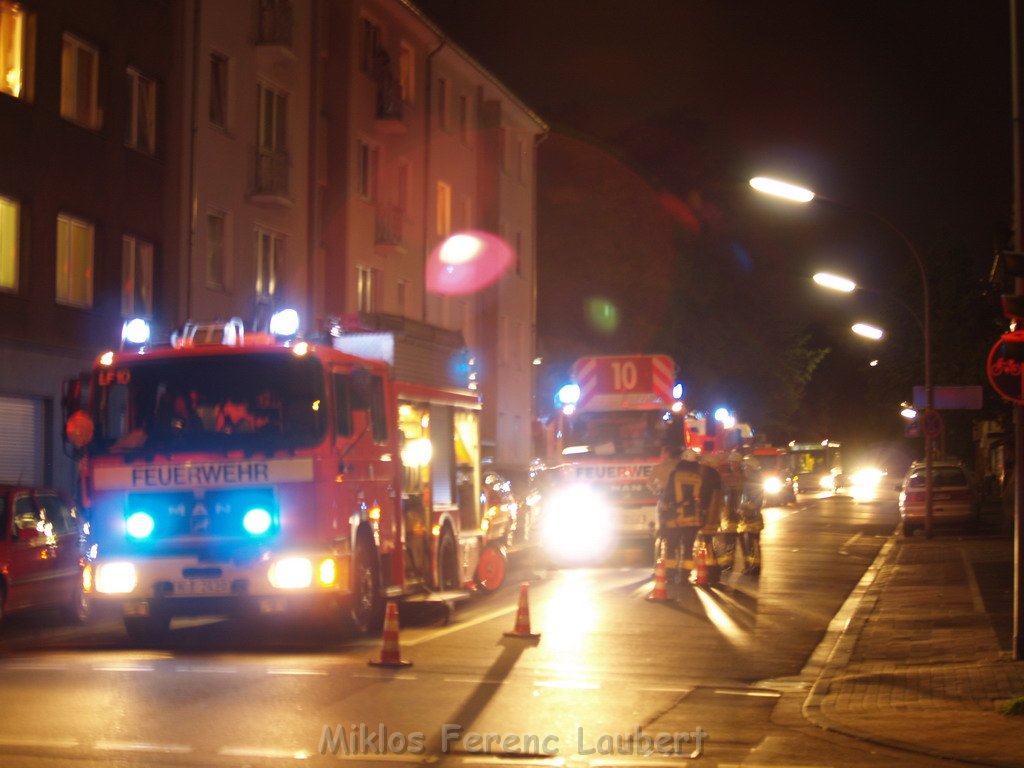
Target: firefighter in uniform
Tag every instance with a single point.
(685, 505)
(751, 521)
(731, 472)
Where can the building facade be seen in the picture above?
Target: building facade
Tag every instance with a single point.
(204, 160)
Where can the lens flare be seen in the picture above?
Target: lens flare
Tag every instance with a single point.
(466, 262)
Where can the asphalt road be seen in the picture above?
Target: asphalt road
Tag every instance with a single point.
(716, 675)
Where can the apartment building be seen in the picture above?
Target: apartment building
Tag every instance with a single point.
(84, 161)
(201, 159)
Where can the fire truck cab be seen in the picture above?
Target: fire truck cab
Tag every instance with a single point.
(601, 450)
(229, 472)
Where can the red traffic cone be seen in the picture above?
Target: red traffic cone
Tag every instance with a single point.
(390, 653)
(660, 591)
(522, 628)
(701, 563)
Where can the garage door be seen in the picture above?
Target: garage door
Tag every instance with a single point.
(21, 424)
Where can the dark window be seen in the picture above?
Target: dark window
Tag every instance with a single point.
(343, 405)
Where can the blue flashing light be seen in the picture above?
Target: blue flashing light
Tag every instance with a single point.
(569, 394)
(135, 331)
(257, 521)
(722, 414)
(284, 323)
(140, 525)
(677, 392)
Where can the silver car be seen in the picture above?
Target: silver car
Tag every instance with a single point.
(954, 496)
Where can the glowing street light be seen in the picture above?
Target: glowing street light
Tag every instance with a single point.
(795, 193)
(835, 282)
(867, 331)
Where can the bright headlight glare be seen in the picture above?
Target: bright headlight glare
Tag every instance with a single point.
(291, 573)
(116, 578)
(772, 485)
(257, 521)
(577, 523)
(827, 482)
(327, 573)
(139, 525)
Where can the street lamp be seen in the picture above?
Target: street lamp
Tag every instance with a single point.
(867, 331)
(798, 194)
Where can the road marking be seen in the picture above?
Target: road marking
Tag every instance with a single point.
(757, 694)
(38, 666)
(665, 689)
(457, 627)
(579, 685)
(281, 754)
(843, 550)
(18, 741)
(204, 670)
(972, 583)
(475, 681)
(122, 668)
(389, 677)
(141, 746)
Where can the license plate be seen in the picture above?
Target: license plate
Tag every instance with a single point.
(202, 587)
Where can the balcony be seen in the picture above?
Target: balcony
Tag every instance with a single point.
(388, 220)
(270, 181)
(274, 24)
(389, 95)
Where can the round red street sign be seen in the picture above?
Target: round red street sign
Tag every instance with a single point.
(1006, 366)
(932, 424)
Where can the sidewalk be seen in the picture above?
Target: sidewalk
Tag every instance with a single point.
(920, 665)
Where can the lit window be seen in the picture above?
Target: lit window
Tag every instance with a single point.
(269, 263)
(79, 83)
(12, 48)
(75, 245)
(9, 215)
(219, 90)
(136, 277)
(444, 209)
(366, 289)
(216, 232)
(142, 126)
(407, 72)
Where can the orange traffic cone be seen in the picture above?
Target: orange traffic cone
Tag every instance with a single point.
(522, 628)
(660, 591)
(701, 562)
(390, 653)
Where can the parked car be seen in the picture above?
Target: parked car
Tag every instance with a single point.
(955, 499)
(42, 552)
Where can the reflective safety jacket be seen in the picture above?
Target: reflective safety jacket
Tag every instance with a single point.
(691, 496)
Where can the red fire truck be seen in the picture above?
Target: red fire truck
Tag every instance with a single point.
(601, 449)
(230, 472)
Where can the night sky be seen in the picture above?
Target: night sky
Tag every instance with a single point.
(901, 108)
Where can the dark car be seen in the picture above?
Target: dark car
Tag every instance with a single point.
(42, 552)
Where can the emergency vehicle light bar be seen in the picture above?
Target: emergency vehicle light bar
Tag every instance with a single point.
(228, 334)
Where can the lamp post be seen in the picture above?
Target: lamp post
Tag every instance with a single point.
(798, 194)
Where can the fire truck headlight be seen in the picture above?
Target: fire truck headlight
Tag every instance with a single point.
(291, 573)
(257, 521)
(116, 578)
(139, 525)
(577, 524)
(827, 483)
(772, 485)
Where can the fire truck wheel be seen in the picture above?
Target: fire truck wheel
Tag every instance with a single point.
(146, 630)
(490, 571)
(447, 562)
(367, 611)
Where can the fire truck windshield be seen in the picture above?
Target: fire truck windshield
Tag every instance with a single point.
(248, 401)
(619, 433)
